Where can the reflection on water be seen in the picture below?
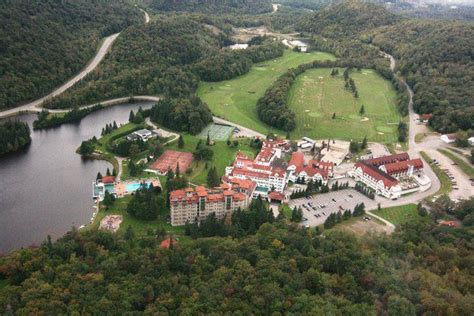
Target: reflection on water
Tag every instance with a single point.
(45, 189)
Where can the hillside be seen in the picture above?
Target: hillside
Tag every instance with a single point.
(212, 6)
(437, 60)
(349, 18)
(260, 266)
(43, 43)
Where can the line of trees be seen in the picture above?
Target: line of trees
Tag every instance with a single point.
(45, 120)
(335, 218)
(365, 190)
(240, 223)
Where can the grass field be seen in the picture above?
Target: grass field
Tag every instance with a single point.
(400, 214)
(315, 96)
(463, 165)
(140, 227)
(236, 99)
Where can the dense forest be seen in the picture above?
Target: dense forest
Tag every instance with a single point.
(436, 58)
(13, 136)
(43, 43)
(212, 6)
(229, 64)
(273, 268)
(187, 115)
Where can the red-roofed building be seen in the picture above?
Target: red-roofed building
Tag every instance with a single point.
(261, 170)
(424, 118)
(300, 171)
(108, 179)
(449, 224)
(167, 243)
(381, 182)
(403, 168)
(377, 162)
(194, 205)
(276, 197)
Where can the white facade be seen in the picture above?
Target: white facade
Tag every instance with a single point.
(391, 192)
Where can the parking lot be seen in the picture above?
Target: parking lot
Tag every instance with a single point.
(316, 209)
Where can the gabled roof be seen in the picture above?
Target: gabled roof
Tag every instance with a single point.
(108, 179)
(377, 174)
(403, 166)
(386, 159)
(297, 159)
(276, 196)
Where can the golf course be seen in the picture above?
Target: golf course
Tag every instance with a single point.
(236, 99)
(325, 108)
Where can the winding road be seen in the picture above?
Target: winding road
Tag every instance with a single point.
(430, 145)
(34, 106)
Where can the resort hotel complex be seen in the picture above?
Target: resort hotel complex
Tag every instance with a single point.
(392, 176)
(267, 176)
(194, 205)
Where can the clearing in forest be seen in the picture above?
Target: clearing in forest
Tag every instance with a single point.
(316, 96)
(236, 99)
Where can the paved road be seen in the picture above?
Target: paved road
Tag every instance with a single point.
(430, 144)
(101, 53)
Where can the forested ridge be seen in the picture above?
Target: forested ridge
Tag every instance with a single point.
(272, 268)
(213, 6)
(437, 60)
(436, 57)
(43, 43)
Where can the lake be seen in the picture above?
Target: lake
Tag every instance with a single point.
(46, 189)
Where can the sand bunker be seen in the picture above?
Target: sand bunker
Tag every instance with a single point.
(364, 119)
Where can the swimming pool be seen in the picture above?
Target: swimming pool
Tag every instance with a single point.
(132, 187)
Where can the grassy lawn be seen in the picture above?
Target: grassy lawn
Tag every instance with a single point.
(140, 227)
(316, 95)
(399, 214)
(287, 211)
(446, 186)
(359, 227)
(463, 165)
(236, 99)
(223, 156)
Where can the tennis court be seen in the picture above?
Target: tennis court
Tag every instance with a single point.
(170, 159)
(217, 132)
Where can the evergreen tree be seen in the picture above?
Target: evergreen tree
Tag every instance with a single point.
(208, 140)
(362, 110)
(213, 179)
(334, 115)
(129, 233)
(131, 117)
(108, 172)
(99, 176)
(180, 141)
(115, 125)
(364, 143)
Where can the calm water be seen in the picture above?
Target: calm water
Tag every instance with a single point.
(46, 189)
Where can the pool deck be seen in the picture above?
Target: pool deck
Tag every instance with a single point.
(121, 187)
